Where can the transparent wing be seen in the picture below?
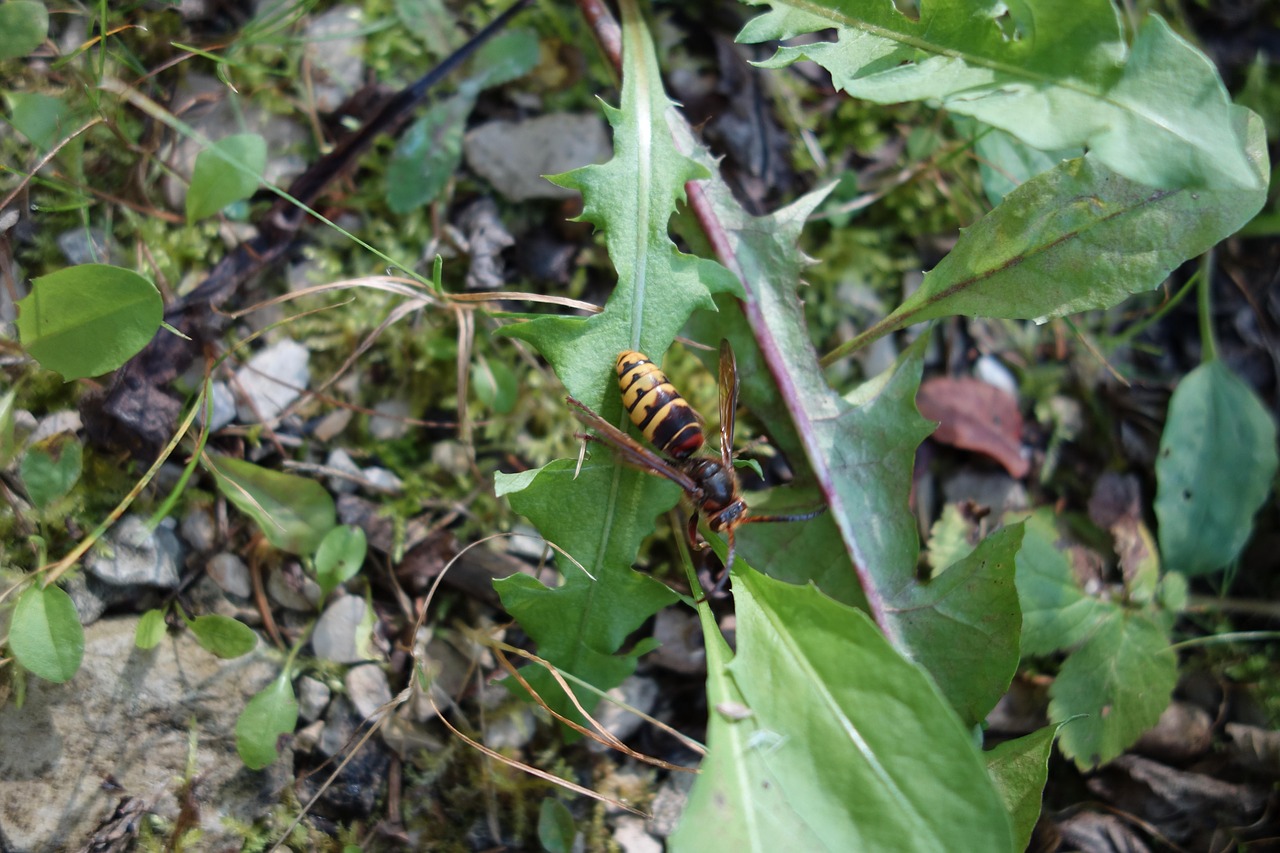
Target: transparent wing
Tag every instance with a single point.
(728, 401)
(631, 451)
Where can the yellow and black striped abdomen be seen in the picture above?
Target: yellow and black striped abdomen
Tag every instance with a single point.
(656, 407)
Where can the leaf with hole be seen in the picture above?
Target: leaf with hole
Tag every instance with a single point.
(89, 319)
(51, 467)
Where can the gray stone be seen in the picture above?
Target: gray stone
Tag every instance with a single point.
(514, 155)
(389, 423)
(138, 718)
(291, 589)
(313, 697)
(636, 691)
(198, 529)
(368, 689)
(133, 555)
(230, 574)
(56, 423)
(272, 380)
(336, 637)
(335, 51)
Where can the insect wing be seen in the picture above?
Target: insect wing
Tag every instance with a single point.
(632, 452)
(728, 401)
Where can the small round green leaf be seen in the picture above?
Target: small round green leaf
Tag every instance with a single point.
(228, 171)
(340, 557)
(23, 26)
(89, 319)
(46, 636)
(223, 636)
(51, 467)
(268, 716)
(150, 630)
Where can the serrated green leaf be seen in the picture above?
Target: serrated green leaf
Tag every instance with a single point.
(23, 27)
(814, 677)
(89, 319)
(431, 22)
(581, 624)
(50, 468)
(1019, 769)
(340, 556)
(1056, 75)
(293, 512)
(269, 715)
(972, 605)
(223, 636)
(45, 636)
(150, 630)
(948, 539)
(1080, 237)
(1056, 613)
(1216, 466)
(228, 171)
(1121, 679)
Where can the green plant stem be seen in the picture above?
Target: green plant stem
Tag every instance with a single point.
(1208, 343)
(1115, 341)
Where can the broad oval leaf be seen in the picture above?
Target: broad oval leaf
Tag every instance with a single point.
(150, 630)
(229, 170)
(45, 635)
(340, 556)
(1216, 465)
(823, 737)
(225, 637)
(23, 27)
(89, 319)
(51, 467)
(270, 715)
(293, 512)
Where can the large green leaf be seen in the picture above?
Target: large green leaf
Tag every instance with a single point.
(825, 738)
(45, 635)
(1079, 237)
(1216, 466)
(580, 624)
(293, 512)
(89, 319)
(1056, 74)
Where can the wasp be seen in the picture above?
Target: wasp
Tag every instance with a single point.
(672, 426)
